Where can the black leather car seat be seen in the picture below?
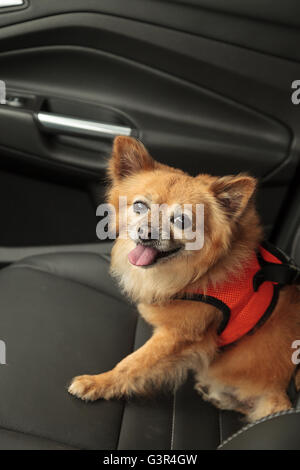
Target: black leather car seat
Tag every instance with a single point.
(61, 316)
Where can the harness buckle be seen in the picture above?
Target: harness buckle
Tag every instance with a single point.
(282, 274)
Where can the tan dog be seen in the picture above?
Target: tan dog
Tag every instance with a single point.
(253, 374)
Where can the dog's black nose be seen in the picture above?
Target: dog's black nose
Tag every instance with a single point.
(147, 235)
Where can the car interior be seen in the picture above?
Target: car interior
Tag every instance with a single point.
(206, 85)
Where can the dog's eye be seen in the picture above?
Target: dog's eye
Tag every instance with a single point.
(181, 221)
(140, 207)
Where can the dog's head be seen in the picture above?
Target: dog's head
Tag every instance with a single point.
(173, 229)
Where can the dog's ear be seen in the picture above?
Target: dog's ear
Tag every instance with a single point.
(233, 193)
(129, 156)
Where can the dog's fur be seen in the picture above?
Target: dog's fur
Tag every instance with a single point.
(253, 375)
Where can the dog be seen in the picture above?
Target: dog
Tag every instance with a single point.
(161, 276)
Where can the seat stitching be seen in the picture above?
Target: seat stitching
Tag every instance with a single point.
(262, 420)
(40, 436)
(36, 268)
(123, 411)
(173, 421)
(295, 242)
(220, 426)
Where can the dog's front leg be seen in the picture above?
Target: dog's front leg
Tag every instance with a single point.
(155, 363)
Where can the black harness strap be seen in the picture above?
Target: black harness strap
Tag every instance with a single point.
(282, 274)
(207, 299)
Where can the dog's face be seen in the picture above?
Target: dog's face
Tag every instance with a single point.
(177, 226)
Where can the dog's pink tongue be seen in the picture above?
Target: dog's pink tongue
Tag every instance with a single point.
(142, 255)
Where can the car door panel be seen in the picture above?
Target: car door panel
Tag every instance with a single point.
(182, 124)
(201, 85)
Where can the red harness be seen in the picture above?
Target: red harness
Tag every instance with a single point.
(249, 299)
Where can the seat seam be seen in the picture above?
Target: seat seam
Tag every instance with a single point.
(40, 436)
(220, 427)
(173, 421)
(295, 242)
(250, 425)
(123, 411)
(44, 271)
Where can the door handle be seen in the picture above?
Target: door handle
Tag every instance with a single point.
(59, 124)
(11, 3)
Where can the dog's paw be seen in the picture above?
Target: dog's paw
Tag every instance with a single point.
(90, 387)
